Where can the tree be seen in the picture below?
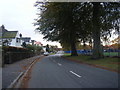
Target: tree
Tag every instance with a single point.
(70, 23)
(99, 19)
(33, 48)
(65, 46)
(47, 48)
(116, 40)
(5, 43)
(24, 44)
(104, 20)
(58, 26)
(97, 51)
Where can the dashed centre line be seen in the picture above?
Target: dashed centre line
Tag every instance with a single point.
(75, 74)
(53, 60)
(59, 64)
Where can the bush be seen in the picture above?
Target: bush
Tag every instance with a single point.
(13, 49)
(12, 54)
(33, 48)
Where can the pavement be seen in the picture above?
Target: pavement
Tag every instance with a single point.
(55, 72)
(11, 71)
(0, 78)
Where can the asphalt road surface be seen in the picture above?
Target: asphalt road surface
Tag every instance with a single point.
(56, 72)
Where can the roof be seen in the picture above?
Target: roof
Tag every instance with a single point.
(4, 33)
(9, 34)
(38, 43)
(26, 39)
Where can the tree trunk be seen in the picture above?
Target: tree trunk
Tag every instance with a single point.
(73, 49)
(97, 50)
(73, 44)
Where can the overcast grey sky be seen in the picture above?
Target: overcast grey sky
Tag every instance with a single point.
(19, 15)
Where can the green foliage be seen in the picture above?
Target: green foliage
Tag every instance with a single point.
(38, 48)
(70, 23)
(24, 45)
(53, 48)
(111, 54)
(33, 48)
(13, 49)
(56, 26)
(47, 48)
(5, 43)
(11, 54)
(30, 47)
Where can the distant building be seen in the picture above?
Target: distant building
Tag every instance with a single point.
(37, 43)
(27, 40)
(9, 38)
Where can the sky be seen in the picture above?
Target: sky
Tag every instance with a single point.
(19, 15)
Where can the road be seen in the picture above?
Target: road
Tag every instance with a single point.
(56, 72)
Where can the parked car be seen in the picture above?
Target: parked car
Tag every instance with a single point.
(46, 53)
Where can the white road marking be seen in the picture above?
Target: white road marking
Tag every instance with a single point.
(75, 74)
(59, 64)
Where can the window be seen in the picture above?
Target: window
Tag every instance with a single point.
(17, 39)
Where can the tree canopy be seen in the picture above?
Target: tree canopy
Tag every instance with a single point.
(70, 23)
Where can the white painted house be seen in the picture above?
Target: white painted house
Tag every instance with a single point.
(10, 38)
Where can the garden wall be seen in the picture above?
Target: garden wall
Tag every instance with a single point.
(13, 54)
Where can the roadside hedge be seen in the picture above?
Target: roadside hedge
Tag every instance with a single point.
(12, 54)
(14, 49)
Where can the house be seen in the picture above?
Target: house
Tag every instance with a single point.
(37, 43)
(9, 38)
(27, 40)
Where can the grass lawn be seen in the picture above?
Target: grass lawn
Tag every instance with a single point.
(111, 54)
(108, 62)
(67, 54)
(105, 54)
(51, 53)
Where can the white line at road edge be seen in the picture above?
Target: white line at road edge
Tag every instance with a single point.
(59, 64)
(75, 74)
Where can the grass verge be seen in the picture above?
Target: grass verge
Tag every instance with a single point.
(107, 62)
(51, 53)
(111, 53)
